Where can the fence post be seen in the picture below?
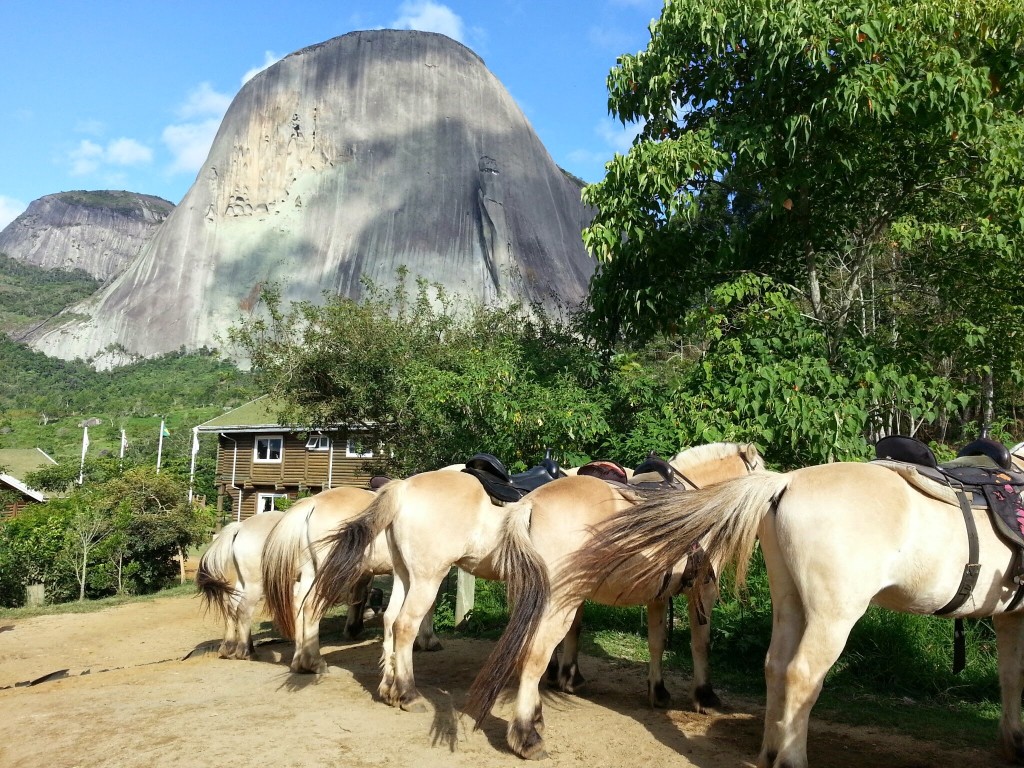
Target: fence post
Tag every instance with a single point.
(465, 595)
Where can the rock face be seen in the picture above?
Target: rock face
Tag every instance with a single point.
(97, 232)
(350, 158)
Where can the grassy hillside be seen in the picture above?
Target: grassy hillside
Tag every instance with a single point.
(44, 400)
(30, 295)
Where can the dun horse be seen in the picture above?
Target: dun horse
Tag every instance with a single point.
(439, 519)
(230, 581)
(836, 538)
(290, 561)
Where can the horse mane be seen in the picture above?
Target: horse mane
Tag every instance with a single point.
(691, 457)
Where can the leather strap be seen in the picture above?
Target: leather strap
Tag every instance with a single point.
(967, 583)
(970, 578)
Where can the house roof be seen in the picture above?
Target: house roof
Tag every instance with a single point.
(259, 415)
(19, 462)
(256, 415)
(19, 486)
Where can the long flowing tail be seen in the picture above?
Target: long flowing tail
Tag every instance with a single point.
(526, 574)
(214, 570)
(283, 557)
(643, 543)
(342, 565)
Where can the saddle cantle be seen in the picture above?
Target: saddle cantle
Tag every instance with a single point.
(654, 473)
(503, 487)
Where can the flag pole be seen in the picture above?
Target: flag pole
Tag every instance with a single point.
(160, 447)
(192, 469)
(124, 443)
(85, 447)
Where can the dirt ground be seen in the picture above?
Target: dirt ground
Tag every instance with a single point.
(141, 685)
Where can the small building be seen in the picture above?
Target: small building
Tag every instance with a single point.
(16, 464)
(260, 461)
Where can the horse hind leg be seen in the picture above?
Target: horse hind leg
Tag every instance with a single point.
(426, 638)
(657, 694)
(245, 649)
(525, 734)
(354, 617)
(307, 658)
(416, 606)
(386, 689)
(1010, 639)
(795, 670)
(568, 678)
(700, 604)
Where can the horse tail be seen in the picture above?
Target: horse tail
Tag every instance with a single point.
(213, 572)
(280, 564)
(343, 563)
(644, 542)
(520, 565)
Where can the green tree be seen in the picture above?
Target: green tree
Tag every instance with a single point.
(435, 382)
(868, 152)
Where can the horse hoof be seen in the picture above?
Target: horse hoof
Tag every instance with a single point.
(416, 704)
(705, 700)
(433, 644)
(659, 696)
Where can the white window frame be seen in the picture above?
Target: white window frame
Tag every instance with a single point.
(350, 451)
(318, 442)
(256, 449)
(260, 498)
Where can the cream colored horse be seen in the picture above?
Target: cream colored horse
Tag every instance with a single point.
(836, 538)
(230, 581)
(439, 519)
(290, 560)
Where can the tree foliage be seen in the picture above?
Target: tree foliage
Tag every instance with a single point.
(867, 152)
(434, 381)
(124, 534)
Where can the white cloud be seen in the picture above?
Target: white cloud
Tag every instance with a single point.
(616, 136)
(89, 157)
(269, 57)
(86, 158)
(10, 209)
(190, 143)
(203, 101)
(428, 16)
(128, 152)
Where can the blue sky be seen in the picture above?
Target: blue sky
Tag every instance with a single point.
(112, 94)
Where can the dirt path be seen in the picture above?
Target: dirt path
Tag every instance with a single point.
(144, 687)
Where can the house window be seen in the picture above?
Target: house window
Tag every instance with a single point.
(266, 502)
(355, 448)
(268, 449)
(318, 443)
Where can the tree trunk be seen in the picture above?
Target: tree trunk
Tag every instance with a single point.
(81, 581)
(181, 564)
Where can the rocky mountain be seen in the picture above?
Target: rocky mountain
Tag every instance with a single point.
(98, 232)
(350, 158)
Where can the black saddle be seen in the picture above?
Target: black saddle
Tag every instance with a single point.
(504, 487)
(654, 472)
(377, 482)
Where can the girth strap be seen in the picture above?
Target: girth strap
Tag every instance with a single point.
(967, 583)
(970, 578)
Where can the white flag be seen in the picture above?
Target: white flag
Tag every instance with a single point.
(195, 440)
(124, 442)
(85, 447)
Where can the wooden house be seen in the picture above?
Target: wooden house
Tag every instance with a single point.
(15, 464)
(260, 461)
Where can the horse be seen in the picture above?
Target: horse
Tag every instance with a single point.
(835, 539)
(290, 560)
(436, 520)
(229, 579)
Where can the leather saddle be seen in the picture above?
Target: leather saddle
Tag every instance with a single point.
(609, 471)
(654, 473)
(504, 487)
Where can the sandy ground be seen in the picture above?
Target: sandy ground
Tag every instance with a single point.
(141, 685)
